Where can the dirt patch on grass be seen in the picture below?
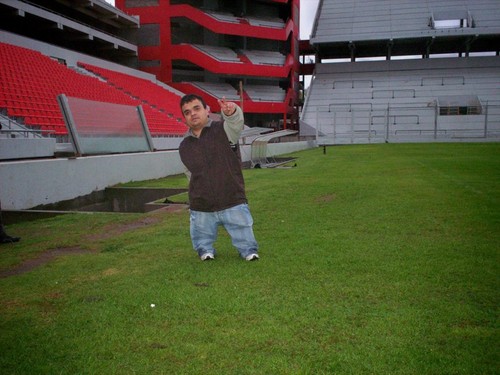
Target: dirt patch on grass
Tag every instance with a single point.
(325, 198)
(110, 272)
(109, 231)
(40, 260)
(114, 230)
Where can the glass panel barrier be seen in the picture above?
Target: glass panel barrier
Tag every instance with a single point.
(105, 128)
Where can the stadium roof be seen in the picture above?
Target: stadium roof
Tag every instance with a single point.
(367, 28)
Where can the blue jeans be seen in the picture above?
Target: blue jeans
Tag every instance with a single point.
(236, 220)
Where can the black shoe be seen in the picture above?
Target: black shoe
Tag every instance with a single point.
(8, 239)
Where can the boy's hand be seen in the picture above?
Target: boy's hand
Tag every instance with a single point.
(228, 108)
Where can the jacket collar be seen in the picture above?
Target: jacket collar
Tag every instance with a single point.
(190, 132)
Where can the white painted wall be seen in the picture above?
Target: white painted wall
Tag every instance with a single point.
(18, 148)
(26, 184)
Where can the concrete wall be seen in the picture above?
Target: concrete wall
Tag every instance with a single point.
(30, 183)
(26, 184)
(19, 148)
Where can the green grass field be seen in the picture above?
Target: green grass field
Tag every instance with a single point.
(375, 259)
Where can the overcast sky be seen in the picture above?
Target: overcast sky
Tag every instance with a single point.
(307, 13)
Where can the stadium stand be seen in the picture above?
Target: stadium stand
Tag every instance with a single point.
(253, 42)
(252, 20)
(219, 53)
(52, 48)
(27, 89)
(415, 101)
(224, 17)
(265, 93)
(268, 22)
(32, 81)
(218, 90)
(157, 101)
(416, 72)
(265, 57)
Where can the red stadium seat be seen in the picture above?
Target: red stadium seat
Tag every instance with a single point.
(32, 81)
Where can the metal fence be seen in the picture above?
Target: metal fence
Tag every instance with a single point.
(365, 123)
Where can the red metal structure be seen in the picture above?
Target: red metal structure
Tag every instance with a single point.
(250, 47)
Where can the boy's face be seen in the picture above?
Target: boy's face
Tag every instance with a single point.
(195, 114)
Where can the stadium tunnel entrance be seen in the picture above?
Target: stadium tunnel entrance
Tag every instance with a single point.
(112, 199)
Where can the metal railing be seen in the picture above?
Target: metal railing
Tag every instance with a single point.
(338, 123)
(11, 128)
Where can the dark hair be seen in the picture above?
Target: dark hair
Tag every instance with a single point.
(190, 97)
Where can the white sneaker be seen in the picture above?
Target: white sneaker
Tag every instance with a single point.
(207, 256)
(251, 257)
